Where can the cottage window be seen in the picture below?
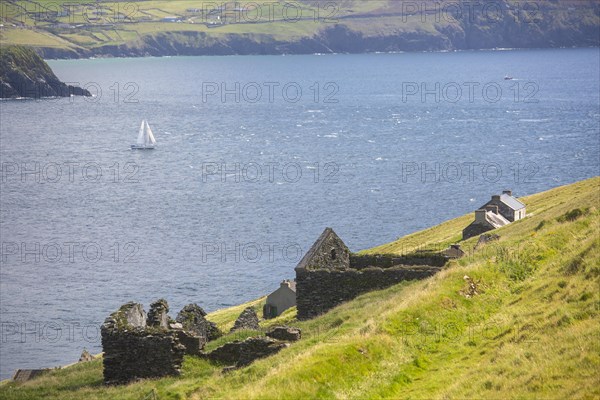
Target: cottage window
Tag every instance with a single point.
(333, 255)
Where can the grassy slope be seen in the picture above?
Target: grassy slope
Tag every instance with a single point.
(531, 332)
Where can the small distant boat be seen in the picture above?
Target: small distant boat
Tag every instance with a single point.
(145, 139)
(508, 78)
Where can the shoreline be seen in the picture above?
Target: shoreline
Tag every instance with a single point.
(318, 54)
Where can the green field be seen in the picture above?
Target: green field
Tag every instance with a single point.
(531, 331)
(66, 23)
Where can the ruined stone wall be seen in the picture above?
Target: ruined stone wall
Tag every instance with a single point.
(389, 260)
(329, 274)
(318, 291)
(135, 355)
(136, 347)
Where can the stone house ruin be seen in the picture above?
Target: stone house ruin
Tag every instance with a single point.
(280, 300)
(138, 346)
(329, 274)
(501, 210)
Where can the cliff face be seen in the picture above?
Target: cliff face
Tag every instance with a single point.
(530, 25)
(23, 73)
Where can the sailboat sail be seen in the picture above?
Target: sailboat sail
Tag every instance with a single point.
(150, 136)
(145, 139)
(140, 138)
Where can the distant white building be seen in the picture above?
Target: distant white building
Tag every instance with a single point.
(280, 300)
(501, 210)
(171, 19)
(508, 206)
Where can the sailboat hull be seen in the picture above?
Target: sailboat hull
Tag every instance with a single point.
(141, 147)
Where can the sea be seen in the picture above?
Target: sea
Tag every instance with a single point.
(255, 157)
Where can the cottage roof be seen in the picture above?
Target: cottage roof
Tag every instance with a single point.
(496, 220)
(511, 201)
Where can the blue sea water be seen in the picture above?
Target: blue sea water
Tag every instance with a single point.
(255, 157)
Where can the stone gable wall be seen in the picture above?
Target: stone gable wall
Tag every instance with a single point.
(329, 252)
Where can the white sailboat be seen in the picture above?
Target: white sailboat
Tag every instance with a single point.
(145, 139)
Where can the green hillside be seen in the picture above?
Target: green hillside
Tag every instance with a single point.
(83, 28)
(528, 327)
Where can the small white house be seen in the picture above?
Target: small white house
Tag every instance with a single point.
(280, 300)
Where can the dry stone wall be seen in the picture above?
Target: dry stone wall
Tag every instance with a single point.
(325, 280)
(134, 350)
(248, 320)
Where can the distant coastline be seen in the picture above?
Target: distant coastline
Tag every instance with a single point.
(246, 47)
(326, 54)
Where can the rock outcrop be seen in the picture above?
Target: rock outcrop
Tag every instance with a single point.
(23, 73)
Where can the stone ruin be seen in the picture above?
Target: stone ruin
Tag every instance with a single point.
(284, 333)
(85, 356)
(238, 353)
(248, 320)
(329, 274)
(485, 239)
(158, 314)
(137, 346)
(192, 318)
